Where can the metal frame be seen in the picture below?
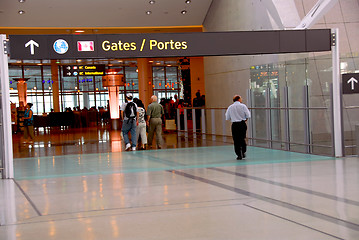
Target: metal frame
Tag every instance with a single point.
(7, 150)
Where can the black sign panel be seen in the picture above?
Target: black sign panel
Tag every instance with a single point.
(168, 44)
(350, 83)
(84, 70)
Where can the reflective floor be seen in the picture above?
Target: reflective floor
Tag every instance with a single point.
(180, 192)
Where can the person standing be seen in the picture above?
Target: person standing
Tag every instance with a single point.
(198, 103)
(141, 127)
(129, 115)
(154, 121)
(238, 114)
(28, 124)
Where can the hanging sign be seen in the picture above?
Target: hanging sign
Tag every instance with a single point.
(168, 44)
(350, 83)
(84, 70)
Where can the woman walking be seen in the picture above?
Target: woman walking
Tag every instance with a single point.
(141, 128)
(28, 124)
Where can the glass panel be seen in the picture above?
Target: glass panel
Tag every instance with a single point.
(319, 83)
(159, 81)
(296, 80)
(350, 108)
(259, 82)
(1, 132)
(273, 85)
(131, 77)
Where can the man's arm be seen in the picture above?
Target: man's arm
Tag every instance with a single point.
(228, 117)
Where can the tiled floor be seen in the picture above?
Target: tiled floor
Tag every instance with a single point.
(181, 192)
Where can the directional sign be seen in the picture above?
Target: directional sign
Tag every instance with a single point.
(169, 44)
(84, 70)
(32, 45)
(350, 83)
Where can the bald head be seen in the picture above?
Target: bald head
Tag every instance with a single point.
(153, 98)
(237, 98)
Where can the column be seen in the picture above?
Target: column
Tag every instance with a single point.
(145, 83)
(55, 85)
(113, 83)
(22, 90)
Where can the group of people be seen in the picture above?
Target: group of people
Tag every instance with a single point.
(136, 120)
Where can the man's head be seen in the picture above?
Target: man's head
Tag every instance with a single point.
(237, 98)
(153, 98)
(129, 96)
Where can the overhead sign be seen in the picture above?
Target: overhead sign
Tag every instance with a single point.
(84, 70)
(168, 44)
(350, 83)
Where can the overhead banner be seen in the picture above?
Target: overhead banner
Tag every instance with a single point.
(168, 44)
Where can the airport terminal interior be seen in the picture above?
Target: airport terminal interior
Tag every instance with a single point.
(75, 179)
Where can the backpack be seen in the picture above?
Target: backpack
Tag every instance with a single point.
(131, 111)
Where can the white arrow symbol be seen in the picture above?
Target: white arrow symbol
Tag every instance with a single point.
(32, 45)
(352, 81)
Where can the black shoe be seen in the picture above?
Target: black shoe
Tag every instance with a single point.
(244, 155)
(239, 158)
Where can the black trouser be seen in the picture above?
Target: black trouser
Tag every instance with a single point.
(239, 130)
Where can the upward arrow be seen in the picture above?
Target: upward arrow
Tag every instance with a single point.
(32, 45)
(352, 81)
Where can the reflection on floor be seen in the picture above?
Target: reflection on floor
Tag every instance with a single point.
(57, 141)
(89, 190)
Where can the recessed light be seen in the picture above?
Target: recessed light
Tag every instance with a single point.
(21, 12)
(152, 2)
(183, 12)
(188, 1)
(22, 1)
(148, 12)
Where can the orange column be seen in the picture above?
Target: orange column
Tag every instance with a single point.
(145, 82)
(55, 85)
(22, 90)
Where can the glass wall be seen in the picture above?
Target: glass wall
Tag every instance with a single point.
(1, 135)
(265, 85)
(288, 99)
(166, 82)
(350, 64)
(85, 92)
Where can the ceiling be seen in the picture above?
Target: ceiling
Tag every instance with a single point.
(101, 13)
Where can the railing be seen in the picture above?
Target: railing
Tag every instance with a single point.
(285, 128)
(214, 126)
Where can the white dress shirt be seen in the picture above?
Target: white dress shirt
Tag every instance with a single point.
(237, 112)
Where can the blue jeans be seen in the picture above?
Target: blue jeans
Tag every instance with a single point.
(129, 126)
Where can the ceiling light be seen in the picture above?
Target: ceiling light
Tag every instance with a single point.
(188, 1)
(21, 12)
(79, 31)
(183, 12)
(148, 12)
(152, 2)
(22, 1)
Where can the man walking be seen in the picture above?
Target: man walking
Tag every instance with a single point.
(238, 114)
(129, 114)
(154, 121)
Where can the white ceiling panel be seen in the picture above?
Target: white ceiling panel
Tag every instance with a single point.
(102, 13)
